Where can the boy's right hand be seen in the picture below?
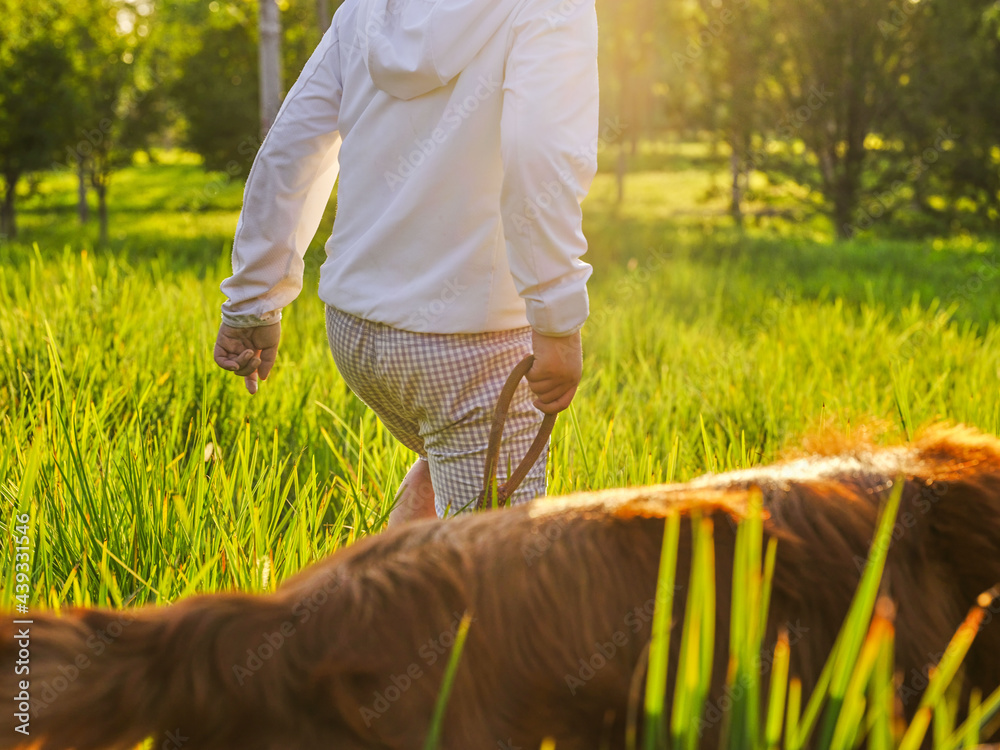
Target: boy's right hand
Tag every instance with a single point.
(556, 373)
(248, 352)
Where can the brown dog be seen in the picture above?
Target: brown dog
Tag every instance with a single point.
(350, 653)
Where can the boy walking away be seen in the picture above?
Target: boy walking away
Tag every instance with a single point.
(464, 133)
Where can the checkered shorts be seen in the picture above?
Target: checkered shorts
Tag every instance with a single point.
(436, 394)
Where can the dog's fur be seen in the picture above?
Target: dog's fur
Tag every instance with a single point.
(350, 654)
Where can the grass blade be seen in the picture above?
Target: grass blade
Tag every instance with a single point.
(659, 649)
(779, 686)
(946, 670)
(850, 640)
(437, 720)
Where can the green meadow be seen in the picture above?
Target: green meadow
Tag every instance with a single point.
(149, 474)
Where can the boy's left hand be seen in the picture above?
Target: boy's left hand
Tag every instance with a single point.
(248, 352)
(556, 373)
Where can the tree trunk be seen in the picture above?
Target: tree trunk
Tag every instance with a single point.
(621, 171)
(323, 14)
(847, 192)
(8, 219)
(842, 215)
(34, 180)
(270, 64)
(845, 203)
(82, 207)
(102, 212)
(736, 196)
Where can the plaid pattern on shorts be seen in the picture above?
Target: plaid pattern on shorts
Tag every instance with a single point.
(436, 394)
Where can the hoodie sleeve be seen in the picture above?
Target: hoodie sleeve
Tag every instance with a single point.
(286, 193)
(548, 137)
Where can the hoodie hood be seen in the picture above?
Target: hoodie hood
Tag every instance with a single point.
(413, 47)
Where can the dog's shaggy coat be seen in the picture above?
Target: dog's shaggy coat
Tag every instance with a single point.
(350, 653)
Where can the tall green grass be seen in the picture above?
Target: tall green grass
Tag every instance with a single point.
(853, 701)
(149, 473)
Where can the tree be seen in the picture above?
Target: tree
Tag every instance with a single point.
(216, 69)
(323, 14)
(948, 125)
(220, 77)
(630, 62)
(839, 84)
(730, 52)
(33, 122)
(269, 57)
(106, 42)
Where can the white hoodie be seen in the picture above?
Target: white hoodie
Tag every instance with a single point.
(465, 136)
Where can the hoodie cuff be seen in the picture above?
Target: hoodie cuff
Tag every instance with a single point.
(563, 309)
(251, 321)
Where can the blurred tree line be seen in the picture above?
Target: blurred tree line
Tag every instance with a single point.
(876, 108)
(871, 108)
(85, 84)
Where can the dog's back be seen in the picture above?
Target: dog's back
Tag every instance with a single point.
(351, 652)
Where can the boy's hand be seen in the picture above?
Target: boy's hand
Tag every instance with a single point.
(556, 372)
(248, 352)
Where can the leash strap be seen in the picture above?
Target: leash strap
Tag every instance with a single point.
(507, 489)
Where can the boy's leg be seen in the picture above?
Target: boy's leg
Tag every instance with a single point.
(454, 383)
(436, 394)
(354, 343)
(415, 498)
(457, 454)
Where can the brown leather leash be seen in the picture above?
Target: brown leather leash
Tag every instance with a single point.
(504, 491)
